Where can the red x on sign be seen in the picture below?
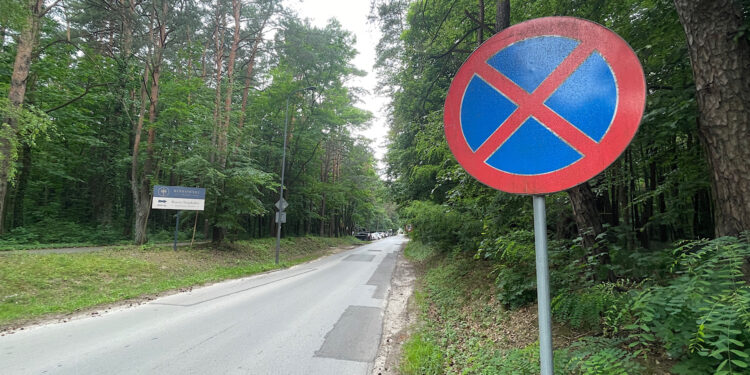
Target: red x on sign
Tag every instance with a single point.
(545, 105)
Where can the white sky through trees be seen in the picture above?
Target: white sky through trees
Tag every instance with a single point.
(352, 14)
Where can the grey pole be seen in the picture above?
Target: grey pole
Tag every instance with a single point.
(283, 167)
(542, 286)
(176, 230)
(281, 187)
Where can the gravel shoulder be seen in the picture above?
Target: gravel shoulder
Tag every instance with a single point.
(399, 317)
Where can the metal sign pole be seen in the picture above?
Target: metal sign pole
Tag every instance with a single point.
(542, 286)
(176, 230)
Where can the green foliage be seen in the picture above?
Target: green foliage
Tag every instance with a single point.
(597, 356)
(514, 258)
(419, 252)
(13, 14)
(516, 284)
(59, 231)
(421, 357)
(702, 315)
(523, 361)
(30, 123)
(432, 223)
(593, 307)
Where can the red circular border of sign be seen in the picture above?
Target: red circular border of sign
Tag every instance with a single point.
(631, 88)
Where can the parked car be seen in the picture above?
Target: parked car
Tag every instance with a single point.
(364, 236)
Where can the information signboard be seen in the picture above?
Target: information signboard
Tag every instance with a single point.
(178, 198)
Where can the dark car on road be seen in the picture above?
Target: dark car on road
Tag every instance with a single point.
(364, 236)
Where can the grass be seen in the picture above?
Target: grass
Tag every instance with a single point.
(464, 329)
(34, 286)
(461, 329)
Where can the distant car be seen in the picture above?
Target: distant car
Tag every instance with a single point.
(364, 236)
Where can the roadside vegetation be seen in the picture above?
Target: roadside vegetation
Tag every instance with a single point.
(648, 260)
(690, 317)
(46, 286)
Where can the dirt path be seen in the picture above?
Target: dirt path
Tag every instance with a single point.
(397, 320)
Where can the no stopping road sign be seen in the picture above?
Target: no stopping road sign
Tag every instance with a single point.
(545, 105)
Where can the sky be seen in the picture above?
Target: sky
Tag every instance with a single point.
(352, 14)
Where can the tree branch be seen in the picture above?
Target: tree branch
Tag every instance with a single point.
(44, 12)
(454, 47)
(483, 25)
(71, 101)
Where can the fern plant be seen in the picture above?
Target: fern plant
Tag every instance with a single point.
(702, 316)
(599, 356)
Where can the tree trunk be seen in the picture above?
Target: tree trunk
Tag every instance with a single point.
(139, 226)
(480, 32)
(219, 62)
(249, 77)
(142, 182)
(589, 223)
(502, 20)
(721, 68)
(224, 128)
(23, 181)
(27, 40)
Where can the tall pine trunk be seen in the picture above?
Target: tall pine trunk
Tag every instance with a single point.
(141, 183)
(139, 226)
(721, 67)
(224, 128)
(27, 41)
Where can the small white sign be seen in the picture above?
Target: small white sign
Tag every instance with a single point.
(177, 204)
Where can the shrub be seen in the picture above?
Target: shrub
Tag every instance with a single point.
(515, 274)
(597, 356)
(702, 316)
(600, 307)
(441, 225)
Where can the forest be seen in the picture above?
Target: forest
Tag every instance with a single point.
(101, 100)
(649, 259)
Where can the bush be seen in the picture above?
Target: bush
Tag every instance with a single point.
(597, 356)
(598, 307)
(515, 274)
(440, 225)
(702, 316)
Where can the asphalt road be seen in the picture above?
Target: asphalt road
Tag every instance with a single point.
(322, 317)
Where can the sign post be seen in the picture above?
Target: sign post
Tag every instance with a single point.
(178, 198)
(542, 285)
(541, 107)
(176, 230)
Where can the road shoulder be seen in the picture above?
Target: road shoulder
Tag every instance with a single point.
(398, 318)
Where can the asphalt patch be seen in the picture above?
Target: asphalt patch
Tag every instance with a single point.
(355, 336)
(359, 258)
(381, 278)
